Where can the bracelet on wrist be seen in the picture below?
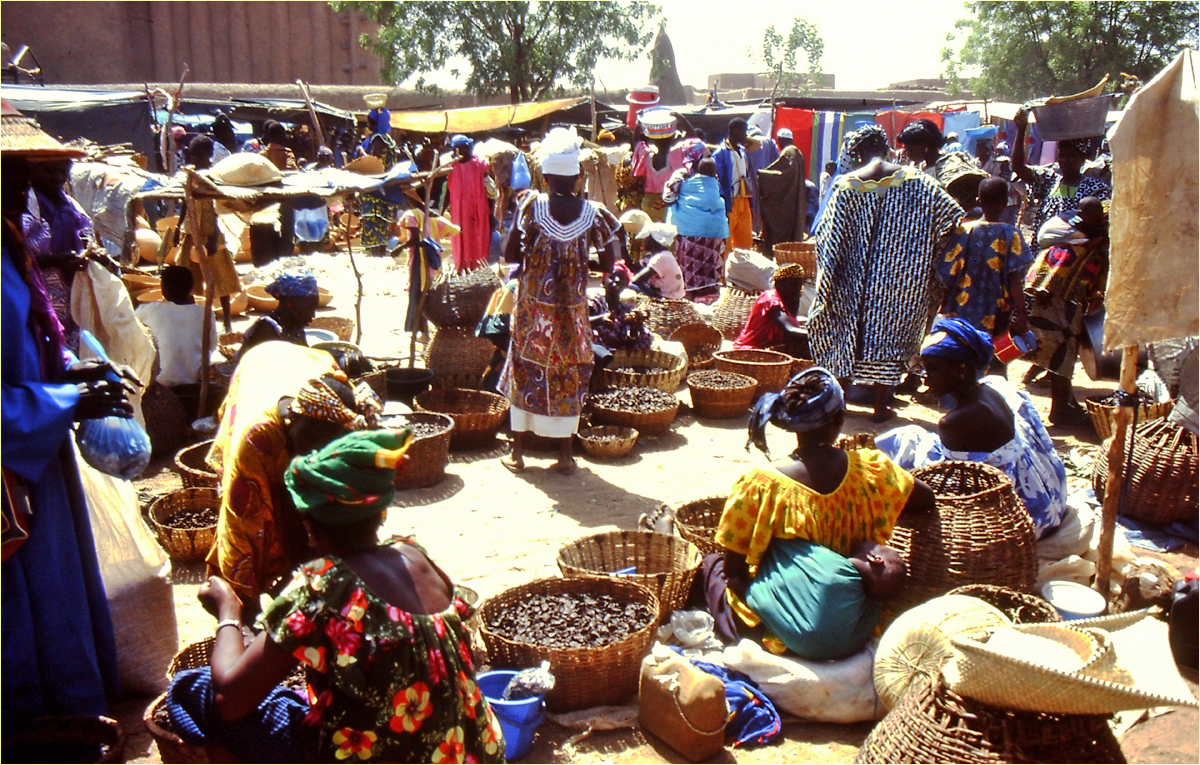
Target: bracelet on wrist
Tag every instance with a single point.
(228, 623)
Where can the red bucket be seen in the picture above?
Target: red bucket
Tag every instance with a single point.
(1009, 348)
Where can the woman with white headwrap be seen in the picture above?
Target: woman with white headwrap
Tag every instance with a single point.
(550, 358)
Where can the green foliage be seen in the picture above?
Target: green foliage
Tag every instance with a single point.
(1030, 49)
(527, 50)
(780, 54)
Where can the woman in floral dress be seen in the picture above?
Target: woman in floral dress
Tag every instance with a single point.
(378, 628)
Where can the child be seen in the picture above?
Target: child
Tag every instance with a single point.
(662, 275)
(174, 323)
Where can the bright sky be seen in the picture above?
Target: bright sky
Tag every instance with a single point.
(868, 43)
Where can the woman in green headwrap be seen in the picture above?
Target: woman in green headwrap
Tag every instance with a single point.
(378, 627)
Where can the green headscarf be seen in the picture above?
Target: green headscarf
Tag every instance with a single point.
(350, 479)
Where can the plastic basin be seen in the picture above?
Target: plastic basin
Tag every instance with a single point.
(1072, 600)
(519, 720)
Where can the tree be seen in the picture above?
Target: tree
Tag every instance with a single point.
(528, 50)
(780, 54)
(1029, 49)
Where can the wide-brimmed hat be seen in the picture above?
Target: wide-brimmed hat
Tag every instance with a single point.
(245, 169)
(20, 136)
(367, 164)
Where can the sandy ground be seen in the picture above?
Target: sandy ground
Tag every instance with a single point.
(490, 529)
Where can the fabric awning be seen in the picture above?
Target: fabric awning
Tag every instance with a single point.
(476, 119)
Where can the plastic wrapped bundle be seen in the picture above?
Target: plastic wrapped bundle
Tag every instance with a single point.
(114, 445)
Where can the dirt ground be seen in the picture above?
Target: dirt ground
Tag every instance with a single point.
(491, 530)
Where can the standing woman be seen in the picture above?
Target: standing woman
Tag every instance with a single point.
(655, 160)
(469, 207)
(1056, 189)
(550, 359)
(876, 245)
(698, 214)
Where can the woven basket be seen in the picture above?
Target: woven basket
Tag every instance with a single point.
(460, 300)
(584, 677)
(932, 724)
(771, 369)
(731, 311)
(184, 545)
(665, 315)
(665, 370)
(803, 254)
(666, 565)
(229, 343)
(1102, 408)
(979, 533)
(469, 381)
(477, 414)
(700, 340)
(696, 521)
(428, 455)
(606, 449)
(1165, 476)
(799, 365)
(456, 351)
(40, 739)
(171, 748)
(1019, 607)
(339, 325)
(376, 381)
(721, 403)
(193, 470)
(646, 423)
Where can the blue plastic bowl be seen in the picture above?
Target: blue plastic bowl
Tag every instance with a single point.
(518, 719)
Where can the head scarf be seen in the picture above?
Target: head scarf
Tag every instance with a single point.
(294, 282)
(559, 152)
(784, 133)
(461, 141)
(1082, 145)
(351, 479)
(956, 340)
(850, 157)
(788, 271)
(693, 150)
(319, 401)
(383, 120)
(794, 411)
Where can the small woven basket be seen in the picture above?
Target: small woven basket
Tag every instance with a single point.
(184, 545)
(464, 381)
(457, 351)
(192, 468)
(663, 370)
(665, 315)
(584, 677)
(804, 254)
(376, 381)
(460, 300)
(477, 414)
(428, 455)
(731, 311)
(1019, 607)
(721, 403)
(1102, 408)
(700, 341)
(696, 521)
(594, 443)
(666, 565)
(229, 343)
(646, 423)
(771, 369)
(1165, 478)
(61, 737)
(339, 325)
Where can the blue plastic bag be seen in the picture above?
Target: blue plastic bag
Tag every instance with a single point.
(520, 178)
(117, 446)
(311, 225)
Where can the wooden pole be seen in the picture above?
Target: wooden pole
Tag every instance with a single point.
(166, 141)
(595, 118)
(312, 112)
(1116, 471)
(206, 341)
(358, 281)
(426, 230)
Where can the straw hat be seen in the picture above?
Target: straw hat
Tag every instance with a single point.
(20, 136)
(366, 165)
(245, 169)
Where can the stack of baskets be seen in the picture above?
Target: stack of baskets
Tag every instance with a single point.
(665, 315)
(647, 423)
(665, 565)
(803, 254)
(192, 469)
(455, 352)
(731, 311)
(701, 341)
(185, 545)
(696, 521)
(1102, 409)
(720, 403)
(428, 454)
(339, 325)
(477, 414)
(608, 441)
(771, 369)
(663, 370)
(1165, 476)
(460, 300)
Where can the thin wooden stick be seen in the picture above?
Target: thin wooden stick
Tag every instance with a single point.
(312, 112)
(426, 230)
(1116, 471)
(166, 140)
(358, 280)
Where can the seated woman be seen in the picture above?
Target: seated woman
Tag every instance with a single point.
(297, 293)
(284, 401)
(834, 499)
(378, 628)
(992, 422)
(772, 322)
(613, 326)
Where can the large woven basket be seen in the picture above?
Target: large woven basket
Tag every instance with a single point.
(460, 300)
(1102, 408)
(1019, 607)
(428, 455)
(721, 403)
(61, 737)
(978, 533)
(457, 351)
(700, 340)
(466, 381)
(646, 423)
(192, 468)
(184, 545)
(696, 521)
(477, 414)
(664, 370)
(339, 325)
(1163, 483)
(933, 724)
(803, 254)
(731, 311)
(584, 677)
(665, 315)
(666, 565)
(771, 369)
(596, 445)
